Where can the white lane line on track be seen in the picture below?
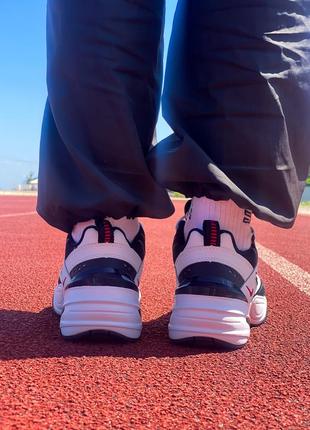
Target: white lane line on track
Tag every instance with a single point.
(17, 214)
(290, 271)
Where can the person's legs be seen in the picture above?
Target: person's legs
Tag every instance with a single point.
(104, 70)
(104, 78)
(237, 95)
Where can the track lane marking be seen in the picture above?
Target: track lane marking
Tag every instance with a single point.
(17, 214)
(289, 271)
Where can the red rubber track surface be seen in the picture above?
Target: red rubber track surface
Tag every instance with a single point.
(13, 205)
(293, 244)
(48, 383)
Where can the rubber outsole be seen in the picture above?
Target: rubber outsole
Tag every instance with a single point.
(207, 342)
(210, 317)
(100, 336)
(212, 343)
(108, 310)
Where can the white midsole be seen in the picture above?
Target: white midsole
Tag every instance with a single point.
(258, 310)
(221, 318)
(106, 308)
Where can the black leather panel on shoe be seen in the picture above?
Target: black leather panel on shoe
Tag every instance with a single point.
(201, 287)
(211, 271)
(261, 291)
(179, 242)
(102, 278)
(187, 206)
(211, 279)
(70, 245)
(138, 244)
(110, 265)
(103, 272)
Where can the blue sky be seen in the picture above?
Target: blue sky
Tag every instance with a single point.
(23, 89)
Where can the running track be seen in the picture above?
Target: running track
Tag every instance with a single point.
(47, 383)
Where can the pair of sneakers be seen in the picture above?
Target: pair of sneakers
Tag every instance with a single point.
(219, 295)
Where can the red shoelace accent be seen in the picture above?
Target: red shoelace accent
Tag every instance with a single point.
(108, 236)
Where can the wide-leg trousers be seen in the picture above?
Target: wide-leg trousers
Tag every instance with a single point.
(236, 94)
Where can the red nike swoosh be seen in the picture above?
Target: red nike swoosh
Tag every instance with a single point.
(250, 290)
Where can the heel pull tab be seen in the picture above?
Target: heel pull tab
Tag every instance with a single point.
(211, 233)
(105, 231)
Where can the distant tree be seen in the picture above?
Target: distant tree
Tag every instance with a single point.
(29, 178)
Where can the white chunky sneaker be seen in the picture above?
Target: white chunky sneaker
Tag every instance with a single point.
(98, 287)
(219, 294)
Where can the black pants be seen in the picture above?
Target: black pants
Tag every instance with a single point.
(237, 95)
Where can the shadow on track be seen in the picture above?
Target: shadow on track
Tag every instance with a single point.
(36, 335)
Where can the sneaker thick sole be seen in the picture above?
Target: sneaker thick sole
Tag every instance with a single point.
(220, 319)
(100, 309)
(258, 311)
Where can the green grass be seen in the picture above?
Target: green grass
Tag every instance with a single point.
(305, 204)
(175, 194)
(308, 181)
